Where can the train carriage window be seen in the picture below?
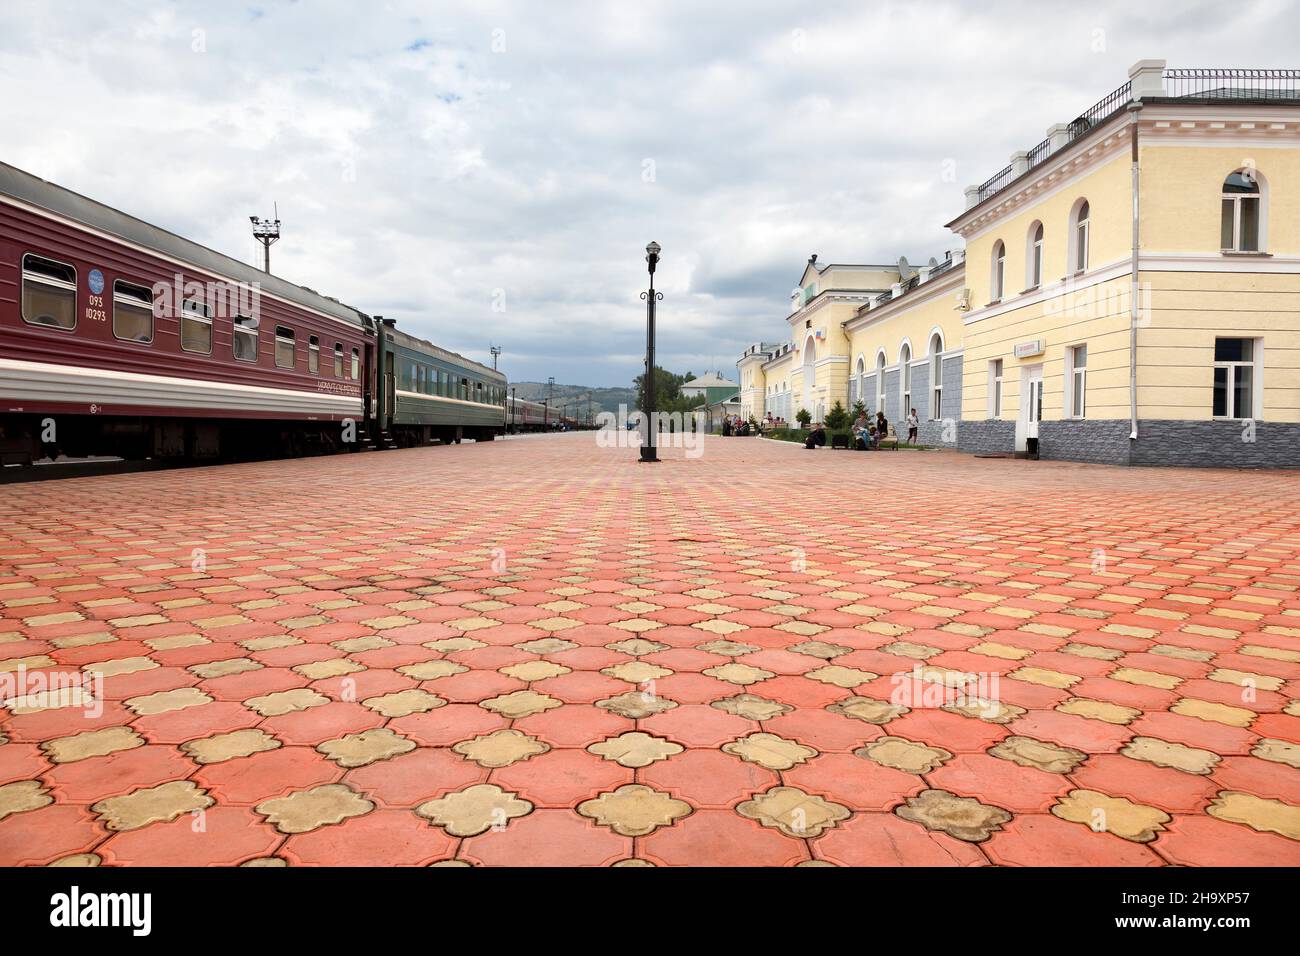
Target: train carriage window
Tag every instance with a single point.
(356, 363)
(464, 389)
(338, 359)
(419, 378)
(49, 293)
(196, 327)
(284, 347)
(313, 355)
(244, 340)
(132, 312)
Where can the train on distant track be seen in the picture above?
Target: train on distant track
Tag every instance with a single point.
(522, 416)
(118, 338)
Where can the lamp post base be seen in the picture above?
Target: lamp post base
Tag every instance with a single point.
(648, 455)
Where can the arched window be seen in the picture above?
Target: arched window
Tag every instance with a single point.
(880, 382)
(809, 372)
(998, 280)
(1034, 257)
(1080, 236)
(1242, 211)
(905, 377)
(857, 383)
(936, 377)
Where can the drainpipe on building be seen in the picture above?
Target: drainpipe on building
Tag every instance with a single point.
(1134, 108)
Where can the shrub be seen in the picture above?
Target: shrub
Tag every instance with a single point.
(837, 419)
(803, 417)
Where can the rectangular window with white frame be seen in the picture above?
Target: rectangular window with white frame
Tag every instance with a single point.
(196, 327)
(1236, 378)
(244, 341)
(995, 388)
(284, 347)
(49, 293)
(1077, 370)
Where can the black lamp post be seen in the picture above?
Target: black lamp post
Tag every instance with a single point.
(648, 451)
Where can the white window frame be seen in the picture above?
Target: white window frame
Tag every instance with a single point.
(1035, 258)
(996, 373)
(190, 313)
(313, 354)
(1237, 200)
(355, 368)
(121, 289)
(1076, 378)
(60, 284)
(1256, 380)
(881, 364)
(249, 331)
(280, 340)
(905, 380)
(998, 279)
(936, 378)
(1082, 237)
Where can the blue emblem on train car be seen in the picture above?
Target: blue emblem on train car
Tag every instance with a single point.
(96, 282)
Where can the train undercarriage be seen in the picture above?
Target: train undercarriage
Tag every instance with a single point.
(27, 439)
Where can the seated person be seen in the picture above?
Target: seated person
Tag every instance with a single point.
(816, 438)
(860, 430)
(882, 428)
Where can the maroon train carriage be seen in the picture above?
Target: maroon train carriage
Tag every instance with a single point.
(119, 338)
(523, 416)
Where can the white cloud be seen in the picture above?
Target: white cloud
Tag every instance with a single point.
(417, 171)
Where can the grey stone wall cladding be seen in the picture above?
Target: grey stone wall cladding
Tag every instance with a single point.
(990, 437)
(952, 379)
(1102, 442)
(891, 395)
(1205, 444)
(868, 395)
(1211, 444)
(920, 396)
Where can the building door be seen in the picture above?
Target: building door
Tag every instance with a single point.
(1031, 405)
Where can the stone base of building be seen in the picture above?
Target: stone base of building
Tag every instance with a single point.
(990, 437)
(941, 434)
(1204, 444)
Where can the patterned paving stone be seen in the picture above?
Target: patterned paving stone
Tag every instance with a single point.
(474, 810)
(650, 681)
(794, 812)
(306, 810)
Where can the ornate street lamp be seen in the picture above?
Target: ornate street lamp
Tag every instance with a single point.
(648, 451)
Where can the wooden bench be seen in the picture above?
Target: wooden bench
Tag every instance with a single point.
(890, 441)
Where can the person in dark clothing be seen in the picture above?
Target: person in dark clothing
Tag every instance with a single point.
(816, 438)
(882, 428)
(726, 427)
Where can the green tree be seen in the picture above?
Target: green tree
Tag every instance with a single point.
(668, 390)
(859, 410)
(803, 417)
(668, 393)
(837, 418)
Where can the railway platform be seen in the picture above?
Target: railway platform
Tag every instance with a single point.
(539, 652)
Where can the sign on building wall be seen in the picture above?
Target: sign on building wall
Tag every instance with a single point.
(1028, 349)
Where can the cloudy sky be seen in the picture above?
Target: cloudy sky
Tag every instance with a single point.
(490, 172)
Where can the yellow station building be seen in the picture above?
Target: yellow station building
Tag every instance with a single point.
(1128, 292)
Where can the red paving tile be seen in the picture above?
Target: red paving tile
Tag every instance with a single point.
(635, 555)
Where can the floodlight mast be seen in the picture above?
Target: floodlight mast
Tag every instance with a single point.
(267, 232)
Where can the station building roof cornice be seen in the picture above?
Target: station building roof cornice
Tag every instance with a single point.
(1150, 84)
(921, 288)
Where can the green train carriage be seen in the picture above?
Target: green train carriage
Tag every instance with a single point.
(430, 393)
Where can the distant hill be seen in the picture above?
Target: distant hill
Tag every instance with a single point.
(602, 399)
